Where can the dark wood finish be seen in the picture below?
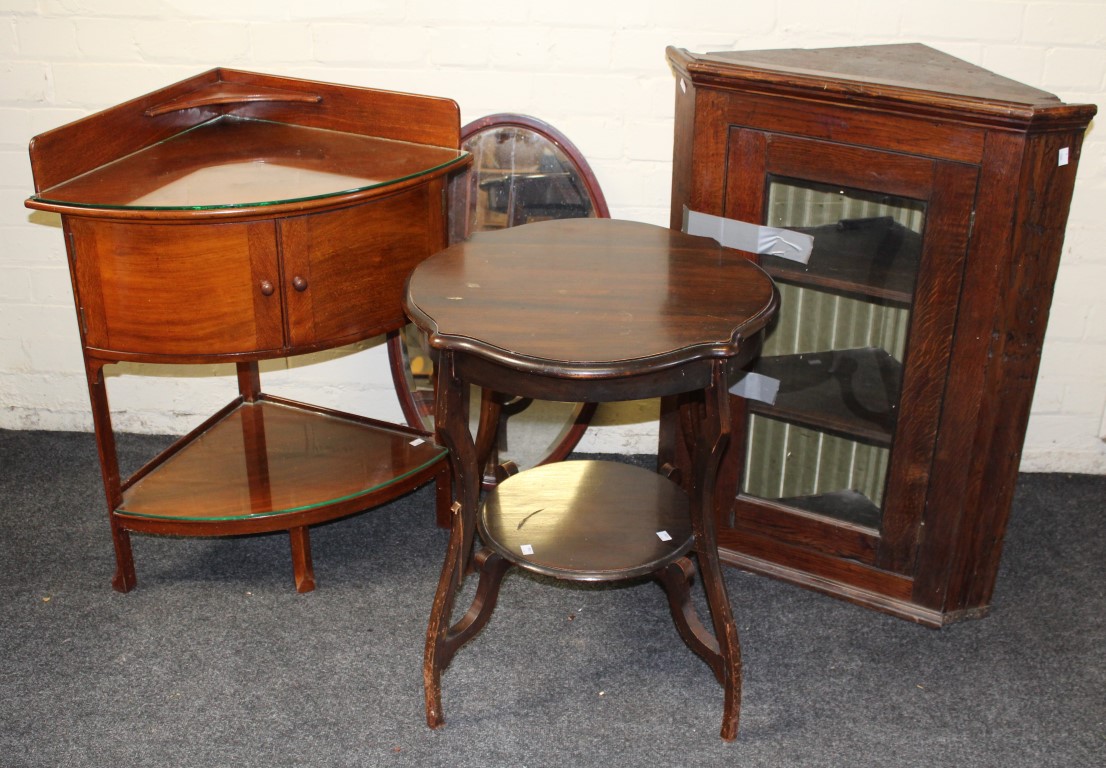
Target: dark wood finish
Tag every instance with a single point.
(587, 520)
(589, 310)
(125, 129)
(509, 151)
(593, 290)
(983, 154)
(234, 218)
(583, 176)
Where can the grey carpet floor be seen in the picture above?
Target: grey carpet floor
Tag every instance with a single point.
(215, 660)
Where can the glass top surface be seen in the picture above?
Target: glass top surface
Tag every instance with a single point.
(233, 162)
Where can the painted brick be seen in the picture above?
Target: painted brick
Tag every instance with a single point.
(52, 287)
(109, 40)
(450, 16)
(459, 47)
(98, 8)
(15, 288)
(587, 13)
(648, 97)
(374, 12)
(47, 38)
(1069, 356)
(724, 16)
(281, 42)
(344, 43)
(597, 137)
(641, 51)
(562, 93)
(1095, 336)
(594, 70)
(1047, 23)
(31, 238)
(842, 19)
(1084, 397)
(635, 183)
(47, 118)
(955, 19)
(12, 211)
(13, 360)
(519, 48)
(24, 82)
(15, 128)
(214, 43)
(8, 47)
(53, 351)
(1075, 68)
(1025, 63)
(1048, 396)
(98, 86)
(579, 50)
(650, 140)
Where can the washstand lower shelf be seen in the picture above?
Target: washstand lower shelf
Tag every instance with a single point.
(274, 465)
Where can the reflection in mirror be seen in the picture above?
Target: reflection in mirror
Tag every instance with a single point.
(523, 170)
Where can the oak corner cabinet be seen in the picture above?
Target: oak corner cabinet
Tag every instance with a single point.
(235, 217)
(907, 348)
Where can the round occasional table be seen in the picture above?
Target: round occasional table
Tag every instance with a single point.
(589, 310)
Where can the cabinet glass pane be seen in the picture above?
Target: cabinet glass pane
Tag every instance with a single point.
(837, 349)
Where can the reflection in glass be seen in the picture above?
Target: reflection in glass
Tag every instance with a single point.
(523, 171)
(837, 349)
(519, 176)
(231, 162)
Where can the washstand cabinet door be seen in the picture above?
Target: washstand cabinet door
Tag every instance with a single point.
(345, 270)
(176, 290)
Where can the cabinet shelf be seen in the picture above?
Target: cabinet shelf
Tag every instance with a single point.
(846, 505)
(872, 257)
(850, 392)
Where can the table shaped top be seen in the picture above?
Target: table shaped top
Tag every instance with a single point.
(588, 298)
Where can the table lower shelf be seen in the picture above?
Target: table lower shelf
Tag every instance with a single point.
(588, 520)
(261, 464)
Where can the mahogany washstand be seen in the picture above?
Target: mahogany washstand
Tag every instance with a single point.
(232, 218)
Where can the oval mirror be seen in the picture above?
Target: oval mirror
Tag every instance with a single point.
(523, 170)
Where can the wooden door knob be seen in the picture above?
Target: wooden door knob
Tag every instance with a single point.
(266, 288)
(299, 283)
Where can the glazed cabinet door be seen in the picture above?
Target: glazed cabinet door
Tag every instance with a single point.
(344, 270)
(838, 465)
(176, 291)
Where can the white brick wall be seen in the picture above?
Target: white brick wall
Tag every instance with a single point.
(595, 70)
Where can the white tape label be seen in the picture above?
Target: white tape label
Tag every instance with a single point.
(527, 549)
(742, 235)
(664, 536)
(756, 386)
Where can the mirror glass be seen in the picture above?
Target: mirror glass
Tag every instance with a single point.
(523, 170)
